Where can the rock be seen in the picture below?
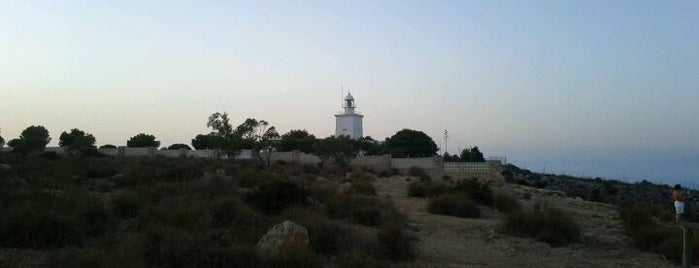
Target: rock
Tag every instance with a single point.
(283, 239)
(5, 166)
(322, 180)
(345, 187)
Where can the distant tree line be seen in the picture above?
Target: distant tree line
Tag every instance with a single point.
(256, 135)
(472, 154)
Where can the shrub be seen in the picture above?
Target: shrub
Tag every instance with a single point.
(50, 155)
(126, 205)
(248, 178)
(540, 184)
(420, 173)
(311, 169)
(225, 212)
(446, 177)
(642, 225)
(388, 172)
(522, 182)
(326, 237)
(363, 186)
(506, 203)
(475, 189)
(359, 258)
(453, 204)
(277, 195)
(361, 210)
(29, 227)
(396, 244)
(545, 223)
(426, 189)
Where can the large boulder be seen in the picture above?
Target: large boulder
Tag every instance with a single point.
(284, 239)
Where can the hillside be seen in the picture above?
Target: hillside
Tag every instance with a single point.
(183, 212)
(445, 241)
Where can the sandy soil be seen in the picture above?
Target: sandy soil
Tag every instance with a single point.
(444, 241)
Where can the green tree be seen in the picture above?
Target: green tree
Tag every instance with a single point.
(368, 145)
(267, 143)
(472, 154)
(450, 158)
(77, 142)
(338, 149)
(297, 140)
(178, 146)
(208, 141)
(108, 146)
(259, 136)
(2, 142)
(410, 143)
(223, 136)
(221, 124)
(251, 131)
(32, 139)
(142, 140)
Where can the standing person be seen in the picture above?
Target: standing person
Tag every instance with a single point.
(679, 203)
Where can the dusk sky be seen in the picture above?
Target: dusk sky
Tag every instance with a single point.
(591, 88)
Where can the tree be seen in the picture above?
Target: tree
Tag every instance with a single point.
(142, 140)
(32, 139)
(410, 143)
(77, 142)
(450, 158)
(221, 124)
(268, 143)
(222, 137)
(339, 149)
(2, 142)
(108, 146)
(208, 141)
(178, 146)
(368, 145)
(297, 140)
(251, 131)
(471, 155)
(259, 136)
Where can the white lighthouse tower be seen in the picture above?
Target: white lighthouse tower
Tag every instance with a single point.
(349, 123)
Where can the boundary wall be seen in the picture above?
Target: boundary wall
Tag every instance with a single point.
(434, 166)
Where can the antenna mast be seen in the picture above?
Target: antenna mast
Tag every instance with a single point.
(446, 141)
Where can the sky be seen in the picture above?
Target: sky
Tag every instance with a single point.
(586, 88)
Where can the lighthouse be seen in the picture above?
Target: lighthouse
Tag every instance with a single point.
(349, 122)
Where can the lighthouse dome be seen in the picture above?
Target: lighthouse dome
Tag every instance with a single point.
(349, 97)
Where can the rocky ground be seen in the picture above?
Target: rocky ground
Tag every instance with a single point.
(444, 241)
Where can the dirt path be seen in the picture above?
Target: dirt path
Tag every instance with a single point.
(444, 241)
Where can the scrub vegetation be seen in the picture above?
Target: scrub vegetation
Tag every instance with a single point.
(174, 212)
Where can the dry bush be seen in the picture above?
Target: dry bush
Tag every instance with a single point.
(476, 189)
(545, 223)
(277, 195)
(396, 244)
(453, 204)
(426, 189)
(643, 224)
(126, 204)
(505, 202)
(388, 172)
(363, 186)
(420, 173)
(362, 210)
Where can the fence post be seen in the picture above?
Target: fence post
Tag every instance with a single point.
(687, 235)
(439, 166)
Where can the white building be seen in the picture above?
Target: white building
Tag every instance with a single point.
(349, 123)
